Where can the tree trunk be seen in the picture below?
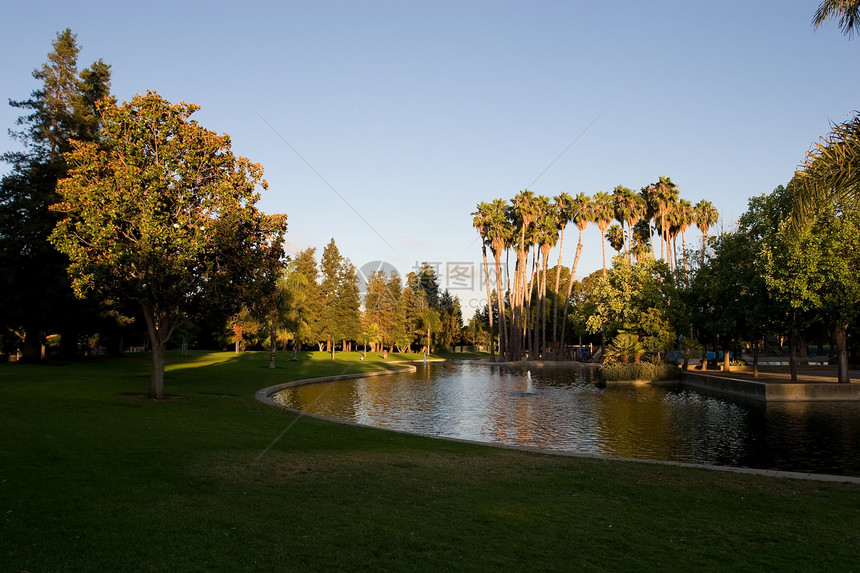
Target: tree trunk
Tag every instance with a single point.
(792, 356)
(32, 346)
(555, 292)
(504, 339)
(755, 359)
(841, 336)
(156, 375)
(727, 360)
(569, 291)
(272, 337)
(159, 329)
(490, 303)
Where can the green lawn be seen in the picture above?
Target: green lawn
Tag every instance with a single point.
(91, 481)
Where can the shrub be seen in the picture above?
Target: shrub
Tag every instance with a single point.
(638, 371)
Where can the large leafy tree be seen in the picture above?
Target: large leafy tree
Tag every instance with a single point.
(35, 296)
(164, 214)
(633, 298)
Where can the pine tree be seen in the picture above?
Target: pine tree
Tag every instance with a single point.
(36, 298)
(306, 265)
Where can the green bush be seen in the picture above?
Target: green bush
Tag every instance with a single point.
(639, 371)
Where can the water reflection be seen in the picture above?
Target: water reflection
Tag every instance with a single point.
(561, 409)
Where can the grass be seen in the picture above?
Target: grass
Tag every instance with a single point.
(215, 480)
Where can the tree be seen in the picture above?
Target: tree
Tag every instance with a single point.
(583, 214)
(816, 267)
(36, 297)
(685, 215)
(481, 220)
(666, 194)
(306, 265)
(430, 322)
(162, 213)
(499, 233)
(847, 11)
(289, 309)
(706, 216)
(451, 319)
(343, 315)
(615, 237)
(370, 335)
(730, 299)
(564, 205)
(546, 234)
(631, 297)
(603, 211)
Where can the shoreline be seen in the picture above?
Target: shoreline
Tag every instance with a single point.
(265, 395)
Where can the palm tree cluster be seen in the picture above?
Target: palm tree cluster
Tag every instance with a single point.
(530, 226)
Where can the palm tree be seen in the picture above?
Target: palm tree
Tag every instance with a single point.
(582, 213)
(685, 217)
(499, 236)
(546, 237)
(540, 212)
(706, 217)
(564, 214)
(521, 215)
(628, 209)
(603, 209)
(615, 236)
(481, 221)
(666, 193)
(651, 201)
(847, 11)
(830, 173)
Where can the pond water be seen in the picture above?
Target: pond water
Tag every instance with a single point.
(563, 409)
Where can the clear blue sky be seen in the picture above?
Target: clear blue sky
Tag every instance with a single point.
(383, 124)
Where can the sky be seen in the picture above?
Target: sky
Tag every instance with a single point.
(382, 124)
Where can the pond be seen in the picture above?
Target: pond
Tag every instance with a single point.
(563, 409)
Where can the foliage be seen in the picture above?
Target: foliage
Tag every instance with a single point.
(162, 213)
(624, 348)
(648, 371)
(846, 11)
(36, 298)
(631, 296)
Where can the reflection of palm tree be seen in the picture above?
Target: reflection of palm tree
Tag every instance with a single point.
(603, 208)
(847, 11)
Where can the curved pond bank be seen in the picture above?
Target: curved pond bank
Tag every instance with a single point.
(563, 411)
